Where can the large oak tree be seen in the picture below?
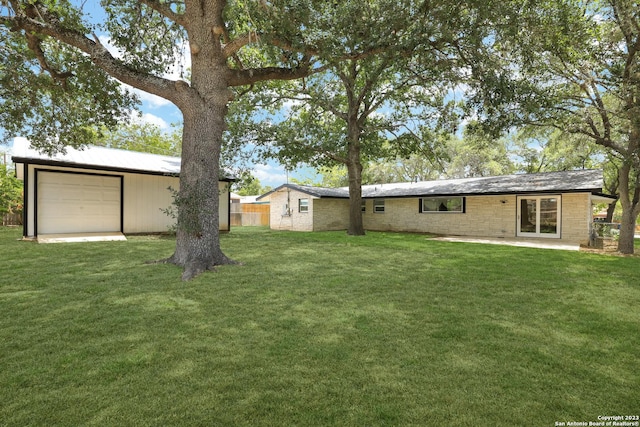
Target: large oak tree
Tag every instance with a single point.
(58, 80)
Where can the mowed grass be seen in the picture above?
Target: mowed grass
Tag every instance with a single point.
(316, 329)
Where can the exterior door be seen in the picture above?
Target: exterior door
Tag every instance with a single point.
(77, 203)
(539, 216)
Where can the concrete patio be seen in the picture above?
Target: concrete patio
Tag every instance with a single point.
(528, 243)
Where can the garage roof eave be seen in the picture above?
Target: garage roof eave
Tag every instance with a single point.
(92, 157)
(43, 162)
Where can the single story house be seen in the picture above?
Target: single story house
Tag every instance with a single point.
(555, 205)
(100, 190)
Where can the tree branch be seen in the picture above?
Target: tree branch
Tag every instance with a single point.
(168, 89)
(165, 10)
(253, 75)
(602, 111)
(232, 47)
(34, 42)
(333, 156)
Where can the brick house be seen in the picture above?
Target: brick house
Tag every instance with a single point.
(554, 205)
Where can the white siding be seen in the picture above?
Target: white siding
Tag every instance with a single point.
(143, 200)
(224, 212)
(145, 196)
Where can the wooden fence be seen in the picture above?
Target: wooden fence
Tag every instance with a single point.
(247, 214)
(13, 218)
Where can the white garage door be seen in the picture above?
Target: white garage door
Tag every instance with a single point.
(78, 203)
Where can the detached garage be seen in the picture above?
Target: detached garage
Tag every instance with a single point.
(100, 190)
(76, 203)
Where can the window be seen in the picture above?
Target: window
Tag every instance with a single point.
(303, 205)
(442, 204)
(378, 205)
(363, 206)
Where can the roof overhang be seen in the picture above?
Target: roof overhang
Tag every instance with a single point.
(491, 193)
(580, 181)
(319, 192)
(44, 162)
(603, 198)
(20, 161)
(98, 158)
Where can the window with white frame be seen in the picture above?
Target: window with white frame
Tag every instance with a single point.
(378, 205)
(442, 205)
(303, 205)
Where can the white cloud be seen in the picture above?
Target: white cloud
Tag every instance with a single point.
(149, 118)
(149, 99)
(270, 175)
(158, 121)
(18, 147)
(289, 104)
(106, 42)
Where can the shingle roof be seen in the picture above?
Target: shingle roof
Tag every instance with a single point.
(567, 181)
(581, 180)
(102, 158)
(312, 191)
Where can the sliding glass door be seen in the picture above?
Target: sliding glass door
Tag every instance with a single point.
(539, 216)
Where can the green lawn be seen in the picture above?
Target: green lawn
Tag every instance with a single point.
(316, 329)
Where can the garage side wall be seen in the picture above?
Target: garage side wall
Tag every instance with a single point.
(224, 210)
(145, 198)
(29, 213)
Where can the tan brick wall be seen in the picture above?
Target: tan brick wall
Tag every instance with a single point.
(484, 216)
(487, 216)
(298, 221)
(576, 217)
(330, 214)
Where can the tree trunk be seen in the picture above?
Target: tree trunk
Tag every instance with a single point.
(354, 173)
(356, 226)
(627, 231)
(198, 200)
(630, 210)
(610, 211)
(204, 108)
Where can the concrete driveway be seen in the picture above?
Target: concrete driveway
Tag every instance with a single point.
(80, 237)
